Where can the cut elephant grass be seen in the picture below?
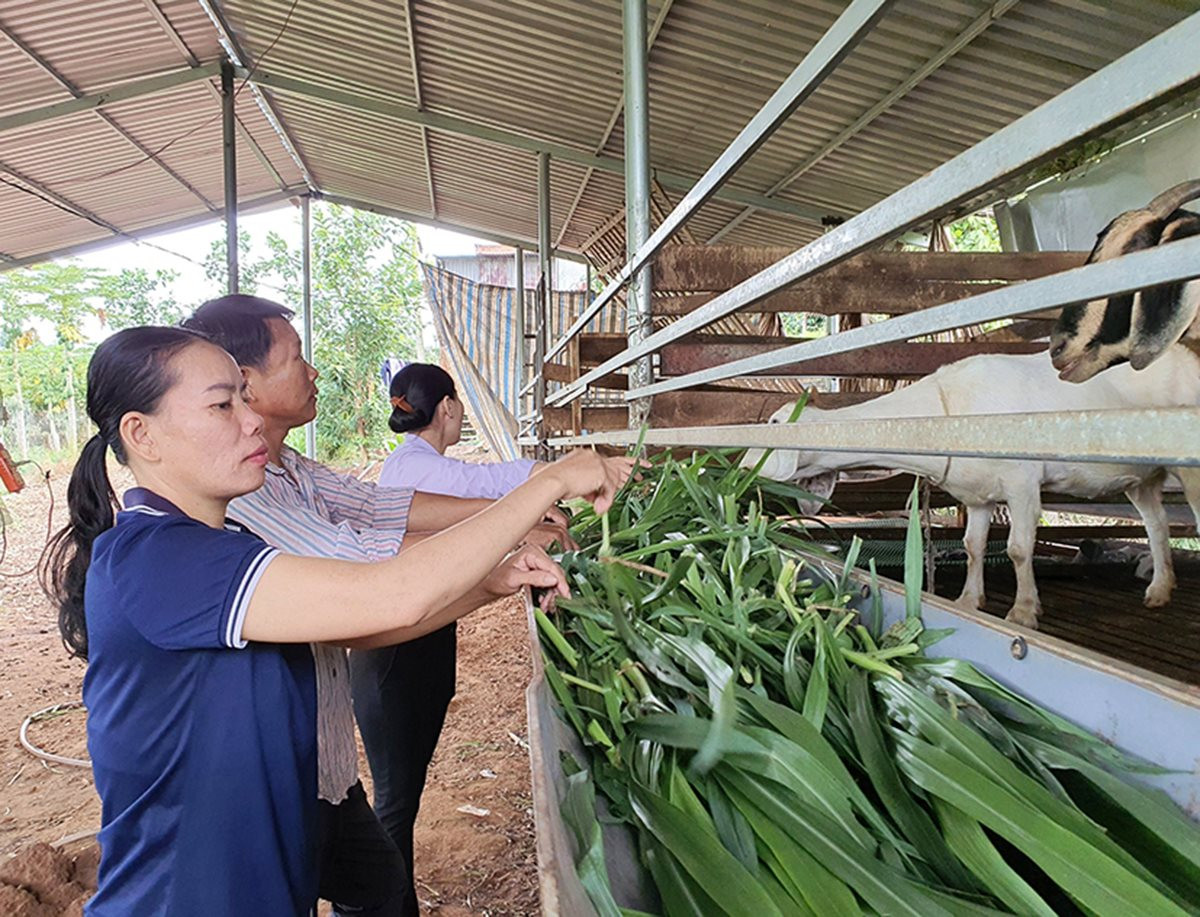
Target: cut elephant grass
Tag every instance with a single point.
(776, 753)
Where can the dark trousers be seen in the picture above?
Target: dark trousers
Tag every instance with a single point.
(361, 870)
(401, 694)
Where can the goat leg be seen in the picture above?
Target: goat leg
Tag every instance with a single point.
(979, 521)
(1147, 499)
(1024, 506)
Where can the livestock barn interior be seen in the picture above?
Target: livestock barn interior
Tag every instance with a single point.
(718, 166)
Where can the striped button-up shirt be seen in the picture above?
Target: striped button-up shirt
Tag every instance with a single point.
(305, 508)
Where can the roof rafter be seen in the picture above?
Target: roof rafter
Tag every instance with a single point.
(415, 64)
(237, 55)
(468, 128)
(611, 125)
(960, 41)
(170, 31)
(46, 67)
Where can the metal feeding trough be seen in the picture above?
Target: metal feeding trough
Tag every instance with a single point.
(1138, 711)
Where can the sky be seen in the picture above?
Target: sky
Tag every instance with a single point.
(184, 251)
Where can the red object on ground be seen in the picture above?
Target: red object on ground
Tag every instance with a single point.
(8, 472)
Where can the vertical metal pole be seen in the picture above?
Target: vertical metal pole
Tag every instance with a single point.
(545, 258)
(230, 154)
(519, 305)
(639, 324)
(310, 428)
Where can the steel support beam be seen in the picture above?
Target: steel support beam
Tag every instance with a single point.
(522, 343)
(229, 152)
(310, 428)
(545, 289)
(464, 127)
(234, 51)
(639, 321)
(830, 50)
(150, 155)
(1154, 436)
(663, 10)
(964, 38)
(99, 100)
(169, 30)
(1136, 271)
(415, 68)
(1125, 88)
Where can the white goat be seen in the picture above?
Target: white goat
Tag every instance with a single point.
(1006, 384)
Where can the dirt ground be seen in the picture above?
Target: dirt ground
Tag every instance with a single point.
(479, 861)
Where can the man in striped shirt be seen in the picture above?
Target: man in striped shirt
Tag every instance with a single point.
(306, 508)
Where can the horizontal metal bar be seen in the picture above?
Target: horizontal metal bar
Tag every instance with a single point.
(140, 234)
(97, 100)
(464, 127)
(849, 28)
(1125, 87)
(1177, 261)
(1155, 436)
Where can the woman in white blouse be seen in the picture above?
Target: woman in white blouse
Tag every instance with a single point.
(401, 693)
(426, 408)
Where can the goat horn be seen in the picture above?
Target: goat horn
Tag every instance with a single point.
(1170, 200)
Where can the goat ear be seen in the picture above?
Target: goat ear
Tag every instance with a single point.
(1160, 317)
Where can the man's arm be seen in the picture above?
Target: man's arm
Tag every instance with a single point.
(434, 512)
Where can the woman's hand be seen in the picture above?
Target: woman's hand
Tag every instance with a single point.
(547, 534)
(584, 473)
(527, 566)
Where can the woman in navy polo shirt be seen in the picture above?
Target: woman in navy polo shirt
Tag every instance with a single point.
(199, 688)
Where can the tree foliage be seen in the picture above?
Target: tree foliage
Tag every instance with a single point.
(366, 307)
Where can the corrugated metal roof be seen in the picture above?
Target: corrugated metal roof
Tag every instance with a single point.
(548, 70)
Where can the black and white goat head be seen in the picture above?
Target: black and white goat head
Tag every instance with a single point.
(1135, 327)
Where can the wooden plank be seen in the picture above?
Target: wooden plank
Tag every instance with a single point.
(892, 361)
(560, 420)
(706, 268)
(557, 372)
(710, 406)
(824, 295)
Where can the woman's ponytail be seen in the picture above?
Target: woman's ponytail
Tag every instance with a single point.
(92, 506)
(128, 372)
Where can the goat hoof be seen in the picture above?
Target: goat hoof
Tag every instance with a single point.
(1026, 617)
(1157, 597)
(970, 601)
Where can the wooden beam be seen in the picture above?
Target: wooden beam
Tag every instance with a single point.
(891, 361)
(716, 268)
(714, 406)
(824, 295)
(593, 420)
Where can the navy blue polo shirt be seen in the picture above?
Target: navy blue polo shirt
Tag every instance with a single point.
(203, 746)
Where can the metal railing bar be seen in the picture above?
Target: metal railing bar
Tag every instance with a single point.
(1177, 261)
(1127, 86)
(829, 51)
(1154, 436)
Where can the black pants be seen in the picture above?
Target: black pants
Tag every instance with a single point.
(401, 694)
(361, 870)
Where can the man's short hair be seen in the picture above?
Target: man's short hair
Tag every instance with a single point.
(238, 322)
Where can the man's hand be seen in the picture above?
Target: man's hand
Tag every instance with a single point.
(527, 566)
(556, 516)
(545, 535)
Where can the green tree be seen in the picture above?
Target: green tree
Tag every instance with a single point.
(136, 296)
(250, 269)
